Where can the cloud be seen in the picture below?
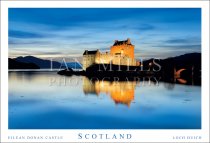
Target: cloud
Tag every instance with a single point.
(188, 40)
(172, 41)
(22, 34)
(146, 27)
(178, 47)
(66, 31)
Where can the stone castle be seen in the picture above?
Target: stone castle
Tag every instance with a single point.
(121, 53)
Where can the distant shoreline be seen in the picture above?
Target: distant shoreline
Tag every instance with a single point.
(36, 70)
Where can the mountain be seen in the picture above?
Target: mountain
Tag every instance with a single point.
(189, 64)
(74, 65)
(188, 60)
(43, 64)
(13, 64)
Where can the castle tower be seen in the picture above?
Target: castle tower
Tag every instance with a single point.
(124, 48)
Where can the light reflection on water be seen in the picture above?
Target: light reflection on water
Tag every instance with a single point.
(45, 100)
(120, 92)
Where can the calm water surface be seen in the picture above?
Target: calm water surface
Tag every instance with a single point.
(45, 100)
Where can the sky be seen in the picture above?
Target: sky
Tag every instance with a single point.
(67, 32)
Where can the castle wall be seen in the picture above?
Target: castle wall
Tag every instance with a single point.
(123, 60)
(88, 60)
(106, 58)
(103, 58)
(127, 50)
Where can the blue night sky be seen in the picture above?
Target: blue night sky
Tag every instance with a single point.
(59, 32)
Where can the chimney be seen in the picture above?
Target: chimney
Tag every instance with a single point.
(128, 41)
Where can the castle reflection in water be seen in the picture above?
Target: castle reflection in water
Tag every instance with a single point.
(120, 92)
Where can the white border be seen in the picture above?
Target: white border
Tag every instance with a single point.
(137, 135)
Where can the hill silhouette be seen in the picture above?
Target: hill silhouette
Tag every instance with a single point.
(13, 64)
(43, 64)
(191, 63)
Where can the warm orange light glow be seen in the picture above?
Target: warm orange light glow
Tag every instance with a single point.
(127, 50)
(120, 92)
(121, 53)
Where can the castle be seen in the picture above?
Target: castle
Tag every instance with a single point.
(121, 53)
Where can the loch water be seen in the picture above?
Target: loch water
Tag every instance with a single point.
(46, 100)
